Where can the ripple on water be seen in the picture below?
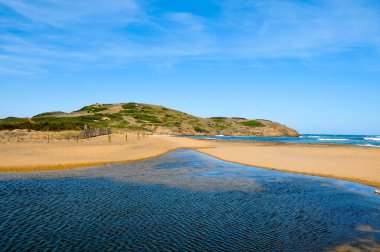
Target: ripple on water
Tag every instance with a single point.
(184, 201)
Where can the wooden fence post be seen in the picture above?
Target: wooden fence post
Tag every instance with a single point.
(48, 138)
(126, 136)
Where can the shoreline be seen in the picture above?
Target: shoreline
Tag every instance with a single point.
(48, 168)
(279, 143)
(360, 164)
(374, 182)
(364, 182)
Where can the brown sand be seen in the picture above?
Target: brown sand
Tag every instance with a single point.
(352, 163)
(41, 156)
(359, 164)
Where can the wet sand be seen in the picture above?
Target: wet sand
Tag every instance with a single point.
(353, 163)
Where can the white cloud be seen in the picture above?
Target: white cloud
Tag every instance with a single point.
(61, 12)
(191, 21)
(76, 34)
(292, 29)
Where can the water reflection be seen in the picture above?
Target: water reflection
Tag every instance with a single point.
(184, 201)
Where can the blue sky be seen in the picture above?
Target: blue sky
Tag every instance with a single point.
(312, 65)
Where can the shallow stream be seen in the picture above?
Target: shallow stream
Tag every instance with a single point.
(184, 201)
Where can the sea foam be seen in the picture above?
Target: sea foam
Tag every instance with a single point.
(333, 139)
(372, 138)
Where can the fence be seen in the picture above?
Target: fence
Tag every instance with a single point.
(94, 133)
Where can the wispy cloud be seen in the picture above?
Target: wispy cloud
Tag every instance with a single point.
(61, 13)
(298, 29)
(36, 35)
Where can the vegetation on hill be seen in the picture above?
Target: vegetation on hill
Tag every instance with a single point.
(93, 108)
(252, 123)
(145, 117)
(49, 113)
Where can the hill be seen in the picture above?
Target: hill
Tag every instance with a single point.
(145, 117)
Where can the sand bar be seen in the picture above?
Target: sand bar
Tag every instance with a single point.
(353, 163)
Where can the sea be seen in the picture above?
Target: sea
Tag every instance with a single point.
(359, 140)
(185, 201)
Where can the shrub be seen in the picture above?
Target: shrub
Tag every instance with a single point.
(172, 124)
(239, 118)
(200, 129)
(129, 105)
(97, 109)
(93, 108)
(218, 118)
(148, 118)
(252, 123)
(146, 107)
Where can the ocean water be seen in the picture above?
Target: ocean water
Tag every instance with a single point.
(360, 140)
(184, 201)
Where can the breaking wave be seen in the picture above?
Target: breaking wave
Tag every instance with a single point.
(372, 138)
(333, 139)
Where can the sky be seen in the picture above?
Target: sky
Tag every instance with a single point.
(311, 65)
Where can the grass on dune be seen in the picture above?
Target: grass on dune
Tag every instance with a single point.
(252, 123)
(133, 116)
(93, 108)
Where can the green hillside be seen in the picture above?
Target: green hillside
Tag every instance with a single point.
(145, 117)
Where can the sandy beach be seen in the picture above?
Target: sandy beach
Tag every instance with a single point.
(352, 163)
